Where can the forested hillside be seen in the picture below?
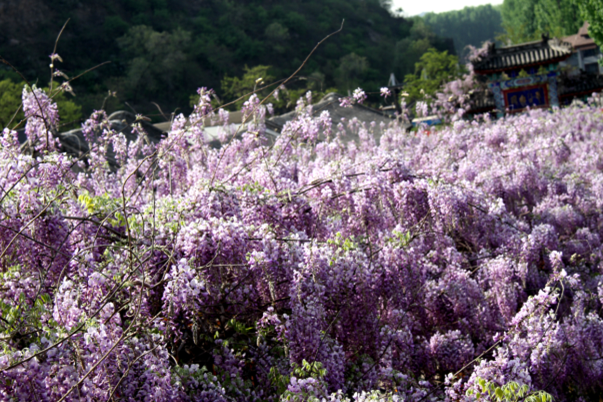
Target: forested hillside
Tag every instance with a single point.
(515, 21)
(469, 26)
(525, 20)
(163, 51)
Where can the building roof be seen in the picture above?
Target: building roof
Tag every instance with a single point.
(233, 118)
(525, 55)
(581, 40)
(339, 114)
(75, 144)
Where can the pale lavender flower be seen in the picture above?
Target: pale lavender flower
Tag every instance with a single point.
(345, 101)
(422, 109)
(359, 95)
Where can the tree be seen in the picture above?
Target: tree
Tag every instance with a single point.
(518, 20)
(350, 71)
(157, 60)
(162, 51)
(260, 76)
(253, 78)
(469, 26)
(557, 17)
(592, 11)
(526, 20)
(278, 35)
(431, 72)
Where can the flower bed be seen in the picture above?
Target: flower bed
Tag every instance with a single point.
(402, 268)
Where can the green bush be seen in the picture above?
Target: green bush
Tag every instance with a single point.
(10, 102)
(510, 392)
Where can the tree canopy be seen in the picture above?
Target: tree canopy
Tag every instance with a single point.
(526, 20)
(163, 51)
(469, 26)
(432, 71)
(592, 11)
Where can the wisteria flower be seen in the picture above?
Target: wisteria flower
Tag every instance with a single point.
(359, 95)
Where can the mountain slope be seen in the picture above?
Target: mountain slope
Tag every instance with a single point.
(162, 51)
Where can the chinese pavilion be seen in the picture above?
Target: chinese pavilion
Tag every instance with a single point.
(522, 76)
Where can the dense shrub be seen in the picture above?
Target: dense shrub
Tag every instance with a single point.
(308, 268)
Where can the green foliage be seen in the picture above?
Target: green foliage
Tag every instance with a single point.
(278, 380)
(309, 370)
(526, 20)
(557, 17)
(258, 77)
(345, 243)
(401, 239)
(104, 207)
(253, 78)
(277, 35)
(21, 314)
(114, 25)
(69, 111)
(592, 11)
(137, 6)
(510, 392)
(158, 61)
(431, 72)
(239, 327)
(469, 26)
(519, 20)
(10, 102)
(409, 50)
(163, 51)
(352, 69)
(306, 370)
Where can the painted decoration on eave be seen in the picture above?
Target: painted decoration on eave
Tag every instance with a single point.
(518, 94)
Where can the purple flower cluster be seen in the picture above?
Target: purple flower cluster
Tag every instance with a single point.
(395, 268)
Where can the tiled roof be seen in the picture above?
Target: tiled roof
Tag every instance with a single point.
(521, 56)
(581, 40)
(338, 114)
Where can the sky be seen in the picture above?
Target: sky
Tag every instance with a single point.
(414, 7)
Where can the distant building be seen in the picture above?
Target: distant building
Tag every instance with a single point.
(523, 76)
(536, 74)
(586, 53)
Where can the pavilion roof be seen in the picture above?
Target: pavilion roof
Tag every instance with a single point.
(525, 55)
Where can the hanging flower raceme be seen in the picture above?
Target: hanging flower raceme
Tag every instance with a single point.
(385, 92)
(369, 265)
(42, 117)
